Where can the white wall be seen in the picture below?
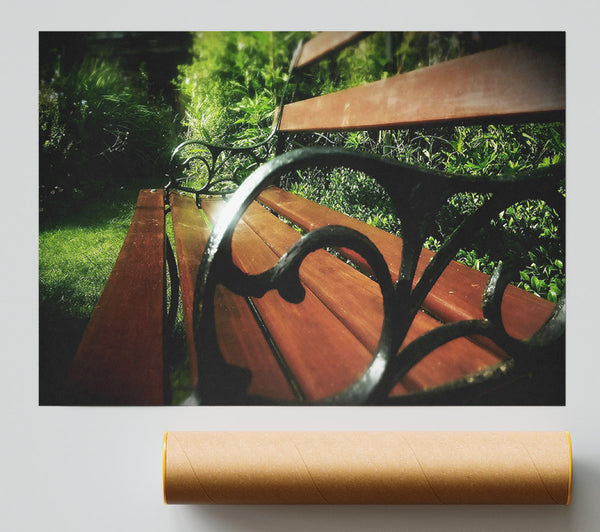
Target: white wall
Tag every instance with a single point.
(98, 469)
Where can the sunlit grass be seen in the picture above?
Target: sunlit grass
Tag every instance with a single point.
(75, 260)
(76, 256)
(103, 135)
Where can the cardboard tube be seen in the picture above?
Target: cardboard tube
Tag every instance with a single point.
(367, 467)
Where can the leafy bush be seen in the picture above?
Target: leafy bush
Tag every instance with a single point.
(231, 87)
(99, 126)
(103, 133)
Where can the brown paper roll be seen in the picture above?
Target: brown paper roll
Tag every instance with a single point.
(367, 467)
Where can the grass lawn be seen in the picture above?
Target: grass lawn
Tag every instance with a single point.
(77, 251)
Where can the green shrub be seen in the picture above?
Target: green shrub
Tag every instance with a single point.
(99, 126)
(230, 88)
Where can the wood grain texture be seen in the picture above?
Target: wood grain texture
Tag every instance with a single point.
(321, 352)
(325, 43)
(457, 293)
(120, 359)
(240, 339)
(504, 84)
(357, 302)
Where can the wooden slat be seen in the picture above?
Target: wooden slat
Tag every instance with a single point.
(324, 356)
(502, 84)
(325, 43)
(356, 301)
(120, 359)
(241, 340)
(360, 309)
(457, 293)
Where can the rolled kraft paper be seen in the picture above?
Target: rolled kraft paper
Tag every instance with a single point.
(367, 467)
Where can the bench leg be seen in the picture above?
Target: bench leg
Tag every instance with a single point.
(171, 311)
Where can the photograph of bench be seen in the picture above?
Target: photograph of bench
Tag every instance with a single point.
(273, 317)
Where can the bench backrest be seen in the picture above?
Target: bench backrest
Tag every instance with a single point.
(516, 82)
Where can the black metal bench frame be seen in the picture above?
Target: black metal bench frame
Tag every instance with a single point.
(417, 194)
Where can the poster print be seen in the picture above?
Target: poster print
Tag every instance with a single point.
(382, 222)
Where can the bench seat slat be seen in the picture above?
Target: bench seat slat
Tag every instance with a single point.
(457, 293)
(360, 308)
(120, 358)
(243, 344)
(324, 356)
(512, 82)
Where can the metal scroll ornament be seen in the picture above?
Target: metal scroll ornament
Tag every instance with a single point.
(418, 194)
(214, 160)
(220, 163)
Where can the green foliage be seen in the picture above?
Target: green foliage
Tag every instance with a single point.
(230, 89)
(99, 126)
(351, 192)
(75, 259)
(76, 256)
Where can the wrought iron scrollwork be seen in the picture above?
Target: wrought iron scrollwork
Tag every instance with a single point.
(417, 194)
(215, 158)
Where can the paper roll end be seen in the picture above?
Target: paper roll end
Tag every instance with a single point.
(164, 467)
(570, 468)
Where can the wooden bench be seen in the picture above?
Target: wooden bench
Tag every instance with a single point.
(120, 359)
(273, 317)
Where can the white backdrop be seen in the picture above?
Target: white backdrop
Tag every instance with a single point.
(98, 469)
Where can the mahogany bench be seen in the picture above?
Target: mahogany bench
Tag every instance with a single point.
(273, 317)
